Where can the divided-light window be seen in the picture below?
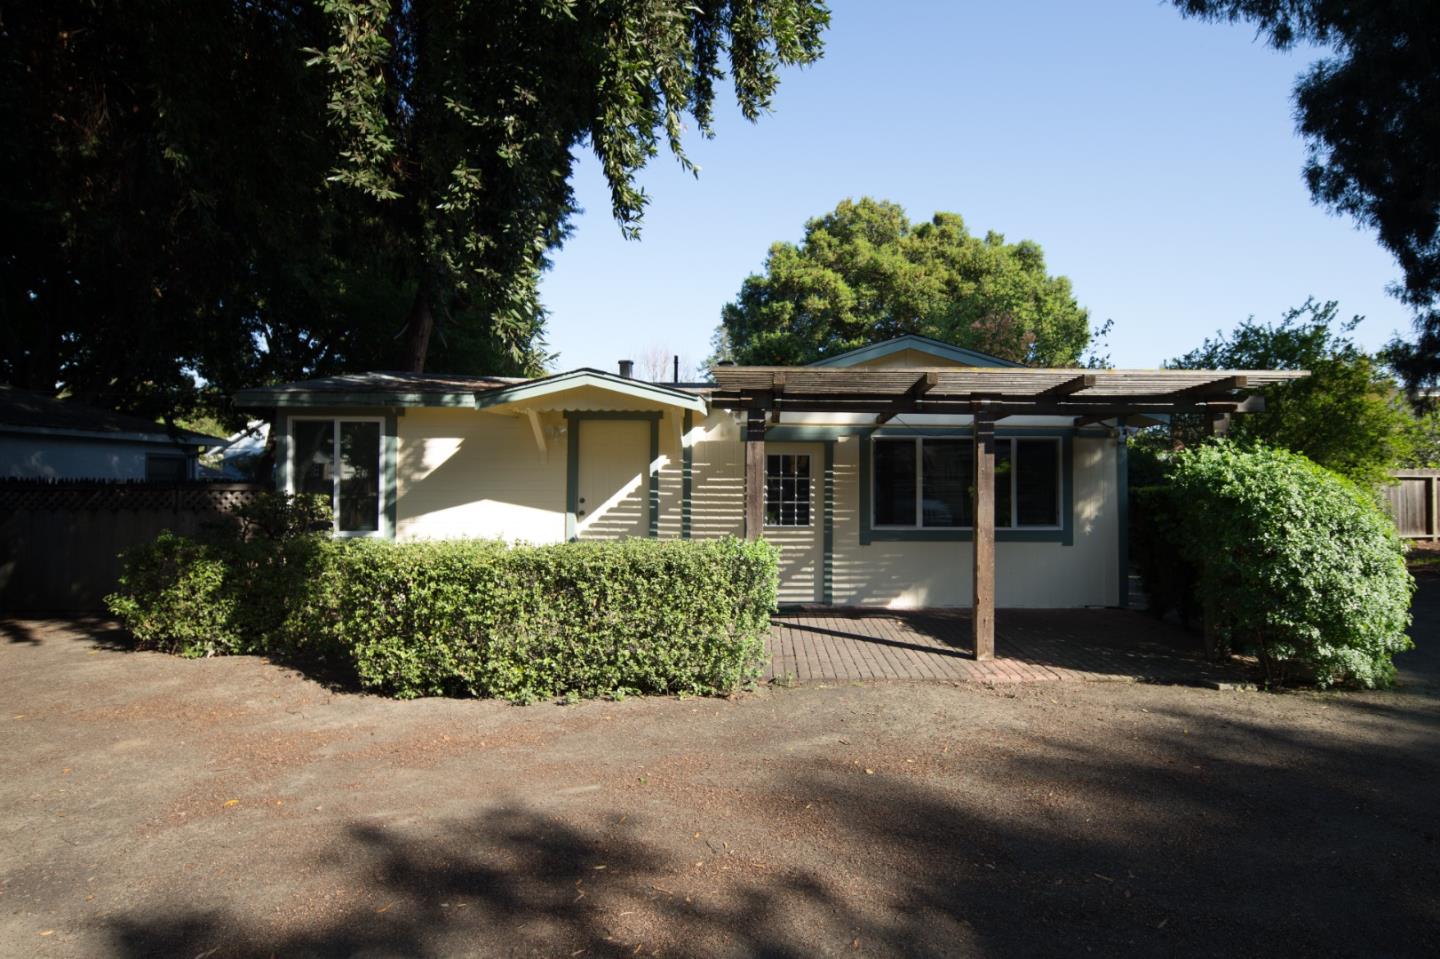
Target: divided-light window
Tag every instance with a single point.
(928, 483)
(317, 446)
(787, 489)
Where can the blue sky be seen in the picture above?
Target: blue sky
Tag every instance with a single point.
(1153, 158)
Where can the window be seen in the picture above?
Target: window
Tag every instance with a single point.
(354, 487)
(164, 468)
(927, 483)
(787, 489)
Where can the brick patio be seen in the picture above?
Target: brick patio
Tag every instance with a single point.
(1077, 645)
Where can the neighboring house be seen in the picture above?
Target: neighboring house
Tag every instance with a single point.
(239, 456)
(861, 468)
(45, 438)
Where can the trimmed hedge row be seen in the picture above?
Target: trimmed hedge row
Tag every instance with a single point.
(1288, 561)
(466, 618)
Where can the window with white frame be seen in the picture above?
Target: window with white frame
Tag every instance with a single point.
(787, 489)
(927, 482)
(339, 459)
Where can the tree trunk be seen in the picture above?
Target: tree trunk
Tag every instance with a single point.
(418, 328)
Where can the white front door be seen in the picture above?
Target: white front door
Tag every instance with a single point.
(794, 520)
(614, 500)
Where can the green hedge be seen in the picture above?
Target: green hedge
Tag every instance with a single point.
(472, 618)
(1290, 561)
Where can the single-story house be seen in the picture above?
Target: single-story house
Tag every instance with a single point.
(862, 468)
(42, 437)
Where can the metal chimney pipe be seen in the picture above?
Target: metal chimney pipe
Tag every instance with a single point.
(627, 369)
(677, 369)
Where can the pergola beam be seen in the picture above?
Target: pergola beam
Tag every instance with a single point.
(917, 391)
(1082, 382)
(1220, 387)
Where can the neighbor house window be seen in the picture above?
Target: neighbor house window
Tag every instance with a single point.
(787, 489)
(164, 468)
(340, 460)
(928, 483)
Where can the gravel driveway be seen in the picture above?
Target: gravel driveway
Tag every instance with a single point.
(152, 806)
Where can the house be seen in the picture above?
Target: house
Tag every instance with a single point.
(42, 437)
(862, 467)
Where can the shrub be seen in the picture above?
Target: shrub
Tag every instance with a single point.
(1293, 562)
(466, 617)
(230, 591)
(174, 596)
(482, 619)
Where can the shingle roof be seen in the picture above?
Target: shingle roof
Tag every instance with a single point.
(27, 411)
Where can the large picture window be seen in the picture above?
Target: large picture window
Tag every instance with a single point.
(927, 482)
(340, 459)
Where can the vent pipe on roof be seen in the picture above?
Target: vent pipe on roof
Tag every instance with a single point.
(627, 369)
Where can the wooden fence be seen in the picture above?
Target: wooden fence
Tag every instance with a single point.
(59, 541)
(1414, 503)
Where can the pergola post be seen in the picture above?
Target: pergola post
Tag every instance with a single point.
(754, 473)
(982, 622)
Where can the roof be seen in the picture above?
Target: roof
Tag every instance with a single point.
(913, 341)
(1092, 394)
(24, 411)
(466, 392)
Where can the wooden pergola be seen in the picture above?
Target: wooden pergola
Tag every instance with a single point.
(988, 395)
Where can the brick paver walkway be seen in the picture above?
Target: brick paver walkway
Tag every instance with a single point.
(837, 645)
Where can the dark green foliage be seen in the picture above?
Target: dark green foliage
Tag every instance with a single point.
(1290, 562)
(1368, 113)
(865, 273)
(1347, 415)
(466, 618)
(201, 197)
(231, 591)
(482, 619)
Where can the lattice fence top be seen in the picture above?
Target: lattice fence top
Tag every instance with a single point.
(127, 497)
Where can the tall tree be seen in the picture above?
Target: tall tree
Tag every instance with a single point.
(1347, 415)
(201, 197)
(460, 122)
(1370, 113)
(865, 273)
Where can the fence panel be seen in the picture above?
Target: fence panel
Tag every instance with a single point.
(1413, 503)
(59, 541)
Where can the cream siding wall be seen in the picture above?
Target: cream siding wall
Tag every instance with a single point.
(462, 473)
(718, 493)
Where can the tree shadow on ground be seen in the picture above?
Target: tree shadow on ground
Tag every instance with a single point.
(16, 631)
(1252, 839)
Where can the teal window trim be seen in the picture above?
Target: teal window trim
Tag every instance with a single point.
(573, 419)
(389, 455)
(687, 473)
(827, 572)
(1122, 504)
(1065, 535)
(793, 433)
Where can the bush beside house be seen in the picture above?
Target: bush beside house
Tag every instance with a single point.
(1288, 561)
(474, 618)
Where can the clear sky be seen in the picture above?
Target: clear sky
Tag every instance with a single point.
(1153, 158)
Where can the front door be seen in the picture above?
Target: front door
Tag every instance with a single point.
(794, 521)
(613, 479)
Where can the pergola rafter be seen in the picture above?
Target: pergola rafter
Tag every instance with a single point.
(985, 395)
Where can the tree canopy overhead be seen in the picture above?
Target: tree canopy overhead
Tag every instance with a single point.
(201, 197)
(1370, 113)
(865, 273)
(460, 121)
(1347, 415)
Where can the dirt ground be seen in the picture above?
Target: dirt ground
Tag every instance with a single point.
(152, 806)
